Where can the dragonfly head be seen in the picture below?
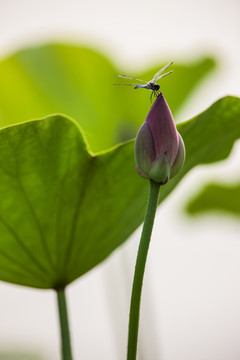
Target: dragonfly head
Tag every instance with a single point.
(154, 86)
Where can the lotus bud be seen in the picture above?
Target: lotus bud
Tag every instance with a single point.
(159, 148)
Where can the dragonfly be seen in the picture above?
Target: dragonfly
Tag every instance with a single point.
(149, 85)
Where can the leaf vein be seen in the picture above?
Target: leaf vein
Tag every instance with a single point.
(23, 246)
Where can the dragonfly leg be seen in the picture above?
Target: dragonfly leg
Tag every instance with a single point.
(151, 96)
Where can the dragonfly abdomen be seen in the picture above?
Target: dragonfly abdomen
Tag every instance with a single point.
(141, 86)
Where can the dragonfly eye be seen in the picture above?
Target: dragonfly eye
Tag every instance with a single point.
(156, 87)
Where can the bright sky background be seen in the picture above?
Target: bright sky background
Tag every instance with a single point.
(191, 295)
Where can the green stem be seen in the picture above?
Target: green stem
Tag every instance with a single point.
(139, 270)
(63, 319)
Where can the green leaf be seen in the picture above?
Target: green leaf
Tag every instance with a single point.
(208, 137)
(77, 81)
(216, 197)
(63, 209)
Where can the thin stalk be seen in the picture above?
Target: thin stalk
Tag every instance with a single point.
(63, 319)
(139, 270)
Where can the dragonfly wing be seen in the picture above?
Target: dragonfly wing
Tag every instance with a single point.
(159, 73)
(163, 75)
(128, 84)
(132, 78)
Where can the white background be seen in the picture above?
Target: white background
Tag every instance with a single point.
(191, 295)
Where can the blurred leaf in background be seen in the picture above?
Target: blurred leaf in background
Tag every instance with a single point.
(63, 209)
(78, 82)
(19, 355)
(216, 197)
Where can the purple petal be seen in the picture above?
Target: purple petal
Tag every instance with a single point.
(163, 129)
(180, 157)
(144, 149)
